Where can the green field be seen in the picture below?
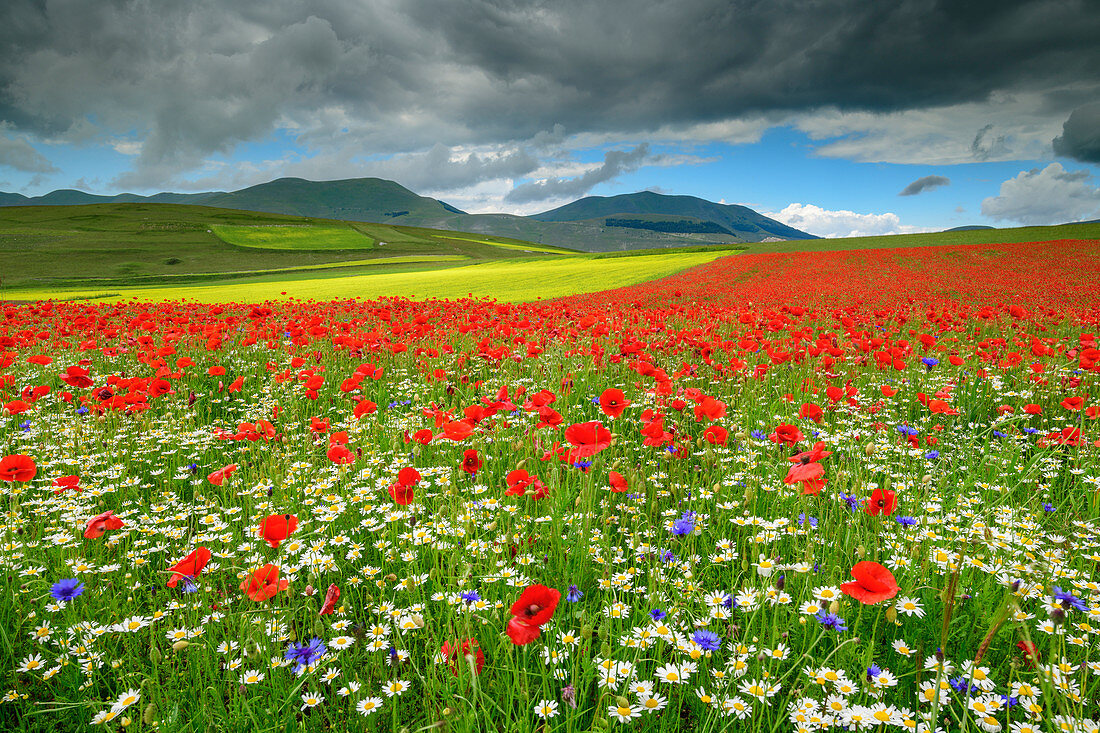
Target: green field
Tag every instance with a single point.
(294, 237)
(516, 281)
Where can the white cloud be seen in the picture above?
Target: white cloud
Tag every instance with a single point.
(840, 223)
(1051, 195)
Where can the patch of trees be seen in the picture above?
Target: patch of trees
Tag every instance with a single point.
(683, 226)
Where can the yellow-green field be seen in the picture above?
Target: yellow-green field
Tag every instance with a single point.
(505, 245)
(515, 281)
(316, 237)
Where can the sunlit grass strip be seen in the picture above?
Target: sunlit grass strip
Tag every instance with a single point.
(507, 281)
(293, 237)
(505, 245)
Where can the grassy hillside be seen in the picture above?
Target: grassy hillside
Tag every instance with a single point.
(49, 246)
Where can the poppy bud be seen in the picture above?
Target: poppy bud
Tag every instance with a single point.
(418, 620)
(834, 607)
(126, 721)
(154, 654)
(390, 578)
(892, 614)
(869, 450)
(622, 702)
(147, 716)
(180, 645)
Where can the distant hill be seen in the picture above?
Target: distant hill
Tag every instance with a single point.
(654, 210)
(593, 224)
(968, 228)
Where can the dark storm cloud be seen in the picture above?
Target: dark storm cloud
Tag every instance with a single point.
(1080, 138)
(191, 79)
(615, 163)
(927, 183)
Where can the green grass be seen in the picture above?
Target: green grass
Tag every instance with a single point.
(518, 281)
(524, 247)
(294, 237)
(933, 239)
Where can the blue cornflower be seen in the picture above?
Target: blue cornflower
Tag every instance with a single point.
(574, 594)
(873, 671)
(999, 434)
(830, 621)
(469, 596)
(82, 410)
(802, 519)
(906, 430)
(851, 501)
(930, 361)
(1048, 507)
(1030, 431)
(758, 435)
(959, 684)
(189, 585)
(932, 455)
(305, 654)
(25, 426)
(729, 602)
(905, 521)
(596, 401)
(1068, 600)
(685, 524)
(583, 465)
(707, 640)
(66, 590)
(657, 614)
(667, 556)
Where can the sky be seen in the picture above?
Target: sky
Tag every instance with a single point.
(838, 117)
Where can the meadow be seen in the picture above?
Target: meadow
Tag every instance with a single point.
(765, 493)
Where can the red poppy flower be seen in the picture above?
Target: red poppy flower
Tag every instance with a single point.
(64, 483)
(785, 433)
(811, 411)
(99, 524)
(76, 376)
(873, 583)
(519, 481)
(364, 407)
(457, 653)
(16, 407)
(340, 455)
(408, 476)
(618, 482)
(422, 436)
(536, 606)
(709, 408)
(716, 435)
(218, 477)
(402, 494)
(277, 527)
(882, 501)
(613, 402)
(189, 566)
(17, 467)
(264, 583)
(588, 439)
(456, 430)
(1033, 409)
(331, 596)
(1073, 403)
(470, 461)
(1031, 653)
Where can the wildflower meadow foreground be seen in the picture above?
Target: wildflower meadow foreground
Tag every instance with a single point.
(844, 491)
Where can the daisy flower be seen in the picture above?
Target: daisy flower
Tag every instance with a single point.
(368, 705)
(546, 709)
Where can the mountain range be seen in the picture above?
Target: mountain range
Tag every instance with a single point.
(591, 224)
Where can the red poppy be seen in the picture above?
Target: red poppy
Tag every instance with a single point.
(364, 407)
(64, 483)
(716, 435)
(785, 433)
(264, 583)
(453, 652)
(471, 462)
(16, 407)
(882, 501)
(618, 482)
(218, 477)
(76, 376)
(588, 439)
(408, 476)
(613, 402)
(17, 467)
(423, 436)
(873, 583)
(331, 596)
(189, 566)
(340, 455)
(1073, 403)
(277, 527)
(1031, 653)
(1033, 409)
(536, 606)
(402, 494)
(101, 523)
(519, 482)
(811, 411)
(457, 430)
(709, 408)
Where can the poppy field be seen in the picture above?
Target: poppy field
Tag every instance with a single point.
(851, 490)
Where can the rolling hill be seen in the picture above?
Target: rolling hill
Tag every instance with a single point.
(592, 224)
